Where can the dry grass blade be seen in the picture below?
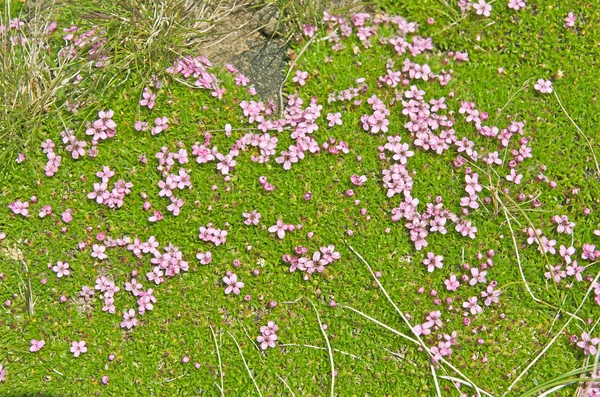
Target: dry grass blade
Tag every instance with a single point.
(221, 388)
(587, 141)
(328, 348)
(245, 363)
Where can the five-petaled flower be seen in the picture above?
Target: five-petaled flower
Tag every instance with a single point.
(543, 86)
(78, 347)
(61, 269)
(232, 284)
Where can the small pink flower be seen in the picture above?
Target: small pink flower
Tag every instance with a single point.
(232, 283)
(482, 8)
(204, 257)
(36, 345)
(452, 283)
(516, 4)
(46, 210)
(433, 261)
(252, 218)
(278, 228)
(472, 305)
(77, 348)
(67, 216)
(358, 180)
(300, 77)
(157, 216)
(570, 20)
(98, 252)
(129, 320)
(543, 86)
(61, 269)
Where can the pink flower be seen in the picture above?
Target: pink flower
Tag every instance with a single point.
(543, 86)
(478, 276)
(67, 216)
(19, 207)
(278, 228)
(513, 177)
(129, 320)
(570, 20)
(300, 77)
(77, 348)
(204, 257)
(308, 30)
(482, 8)
(2, 373)
(516, 4)
(334, 118)
(452, 283)
(46, 210)
(556, 273)
(358, 180)
(588, 344)
(157, 216)
(148, 98)
(433, 261)
(252, 218)
(61, 269)
(98, 252)
(472, 305)
(36, 345)
(232, 283)
(267, 340)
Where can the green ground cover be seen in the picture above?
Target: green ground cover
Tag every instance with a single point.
(197, 338)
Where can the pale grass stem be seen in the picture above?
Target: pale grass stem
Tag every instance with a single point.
(245, 363)
(221, 388)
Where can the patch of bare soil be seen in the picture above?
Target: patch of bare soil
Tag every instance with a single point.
(246, 38)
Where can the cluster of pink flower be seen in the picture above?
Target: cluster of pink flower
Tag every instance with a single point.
(268, 335)
(92, 40)
(14, 30)
(108, 289)
(303, 121)
(197, 67)
(324, 256)
(425, 120)
(433, 219)
(145, 301)
(333, 148)
(377, 121)
(472, 187)
(349, 93)
(232, 284)
(170, 263)
(101, 129)
(19, 207)
(53, 160)
(400, 150)
(397, 180)
(209, 234)
(75, 146)
(112, 198)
